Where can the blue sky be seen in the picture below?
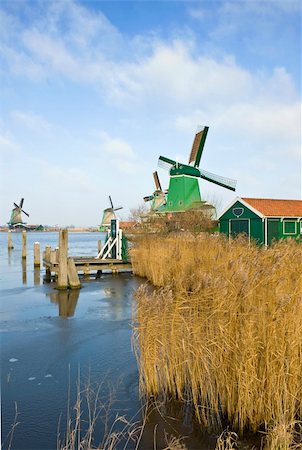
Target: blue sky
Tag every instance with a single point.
(93, 92)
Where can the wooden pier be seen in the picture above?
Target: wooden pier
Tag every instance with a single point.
(66, 268)
(88, 264)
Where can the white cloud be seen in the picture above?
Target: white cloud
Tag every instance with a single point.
(8, 145)
(161, 88)
(32, 121)
(65, 178)
(115, 146)
(197, 13)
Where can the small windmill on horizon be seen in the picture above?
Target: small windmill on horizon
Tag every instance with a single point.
(108, 215)
(15, 220)
(158, 198)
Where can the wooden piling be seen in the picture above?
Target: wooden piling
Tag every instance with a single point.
(37, 262)
(47, 253)
(36, 276)
(73, 278)
(62, 282)
(10, 244)
(23, 244)
(24, 273)
(53, 256)
(99, 246)
(47, 256)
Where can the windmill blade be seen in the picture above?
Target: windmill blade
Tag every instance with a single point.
(116, 209)
(21, 202)
(156, 181)
(227, 183)
(17, 206)
(25, 213)
(148, 198)
(197, 147)
(110, 202)
(166, 163)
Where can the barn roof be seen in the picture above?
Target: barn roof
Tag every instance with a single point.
(275, 207)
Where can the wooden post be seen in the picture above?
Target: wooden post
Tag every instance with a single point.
(62, 282)
(86, 271)
(37, 254)
(47, 256)
(53, 256)
(99, 246)
(73, 278)
(23, 244)
(10, 244)
(47, 253)
(36, 276)
(24, 274)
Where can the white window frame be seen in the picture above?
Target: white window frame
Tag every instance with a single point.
(285, 221)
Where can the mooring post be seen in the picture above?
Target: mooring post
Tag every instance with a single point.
(37, 254)
(47, 255)
(24, 274)
(23, 244)
(10, 244)
(62, 282)
(73, 278)
(99, 246)
(36, 276)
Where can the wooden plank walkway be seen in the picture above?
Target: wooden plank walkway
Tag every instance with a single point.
(86, 264)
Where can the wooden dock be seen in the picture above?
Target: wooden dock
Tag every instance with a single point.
(88, 264)
(66, 268)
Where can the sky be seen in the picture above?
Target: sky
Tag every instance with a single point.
(93, 92)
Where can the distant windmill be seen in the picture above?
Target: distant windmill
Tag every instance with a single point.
(16, 217)
(158, 198)
(108, 214)
(183, 192)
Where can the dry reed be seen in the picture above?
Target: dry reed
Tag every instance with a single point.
(223, 330)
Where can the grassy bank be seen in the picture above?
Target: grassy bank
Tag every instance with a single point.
(223, 330)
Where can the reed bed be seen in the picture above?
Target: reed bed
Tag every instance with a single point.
(222, 330)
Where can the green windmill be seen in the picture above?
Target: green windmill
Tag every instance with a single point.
(15, 220)
(183, 192)
(158, 198)
(108, 215)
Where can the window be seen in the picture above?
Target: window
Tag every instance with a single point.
(238, 212)
(170, 203)
(180, 202)
(289, 227)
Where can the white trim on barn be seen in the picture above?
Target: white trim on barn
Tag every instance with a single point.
(246, 204)
(285, 221)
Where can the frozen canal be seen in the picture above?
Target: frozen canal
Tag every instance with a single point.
(46, 334)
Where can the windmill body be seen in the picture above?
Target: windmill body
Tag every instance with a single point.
(108, 215)
(184, 192)
(15, 220)
(158, 198)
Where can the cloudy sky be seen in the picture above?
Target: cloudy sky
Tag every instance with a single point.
(92, 92)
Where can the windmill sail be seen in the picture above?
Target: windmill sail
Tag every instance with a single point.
(166, 163)
(227, 183)
(156, 181)
(148, 198)
(197, 147)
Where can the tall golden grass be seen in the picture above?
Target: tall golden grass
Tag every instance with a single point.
(223, 328)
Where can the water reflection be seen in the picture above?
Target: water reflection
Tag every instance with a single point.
(66, 300)
(9, 256)
(24, 274)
